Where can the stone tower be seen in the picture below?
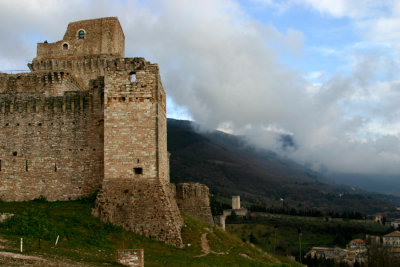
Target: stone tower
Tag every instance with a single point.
(236, 202)
(85, 119)
(136, 191)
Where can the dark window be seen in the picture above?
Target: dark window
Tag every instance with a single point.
(138, 170)
(26, 165)
(81, 34)
(65, 46)
(55, 167)
(15, 153)
(0, 165)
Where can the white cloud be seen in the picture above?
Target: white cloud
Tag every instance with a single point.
(348, 8)
(222, 68)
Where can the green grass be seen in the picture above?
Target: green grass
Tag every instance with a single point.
(279, 234)
(86, 240)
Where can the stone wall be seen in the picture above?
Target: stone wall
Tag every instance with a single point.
(142, 207)
(131, 123)
(194, 200)
(51, 137)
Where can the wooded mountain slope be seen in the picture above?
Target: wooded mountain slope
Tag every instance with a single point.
(230, 166)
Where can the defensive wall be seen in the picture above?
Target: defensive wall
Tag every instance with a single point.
(51, 137)
(86, 119)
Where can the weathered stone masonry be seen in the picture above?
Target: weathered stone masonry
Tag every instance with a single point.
(88, 119)
(51, 119)
(193, 199)
(51, 137)
(135, 191)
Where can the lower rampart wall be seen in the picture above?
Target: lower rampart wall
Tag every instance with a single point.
(144, 207)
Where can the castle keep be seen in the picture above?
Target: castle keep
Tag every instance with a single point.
(86, 119)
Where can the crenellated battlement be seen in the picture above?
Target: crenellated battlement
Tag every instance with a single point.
(89, 64)
(85, 64)
(53, 83)
(71, 102)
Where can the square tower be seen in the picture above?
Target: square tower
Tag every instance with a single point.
(135, 191)
(236, 202)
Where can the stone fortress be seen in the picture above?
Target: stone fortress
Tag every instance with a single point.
(87, 119)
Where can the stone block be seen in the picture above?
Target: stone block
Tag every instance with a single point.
(130, 257)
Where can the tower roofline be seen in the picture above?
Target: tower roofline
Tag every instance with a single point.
(101, 36)
(104, 19)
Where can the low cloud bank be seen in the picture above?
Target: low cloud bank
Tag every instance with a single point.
(223, 67)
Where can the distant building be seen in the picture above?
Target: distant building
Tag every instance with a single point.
(356, 252)
(357, 244)
(236, 209)
(236, 202)
(392, 239)
(395, 223)
(378, 218)
(336, 254)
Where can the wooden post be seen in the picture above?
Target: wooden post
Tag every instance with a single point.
(21, 245)
(299, 231)
(57, 240)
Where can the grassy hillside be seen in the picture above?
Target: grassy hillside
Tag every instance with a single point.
(85, 241)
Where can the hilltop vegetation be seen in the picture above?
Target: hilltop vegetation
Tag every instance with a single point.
(279, 234)
(85, 241)
(229, 166)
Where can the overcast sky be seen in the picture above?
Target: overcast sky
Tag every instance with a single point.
(325, 72)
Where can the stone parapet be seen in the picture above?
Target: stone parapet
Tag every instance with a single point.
(194, 200)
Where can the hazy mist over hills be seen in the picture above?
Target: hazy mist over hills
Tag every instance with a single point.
(229, 165)
(386, 184)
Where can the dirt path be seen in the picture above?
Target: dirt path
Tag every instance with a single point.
(20, 256)
(205, 247)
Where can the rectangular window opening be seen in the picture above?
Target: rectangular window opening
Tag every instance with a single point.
(55, 167)
(0, 165)
(138, 170)
(26, 165)
(132, 76)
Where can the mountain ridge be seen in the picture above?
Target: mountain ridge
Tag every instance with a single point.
(229, 165)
